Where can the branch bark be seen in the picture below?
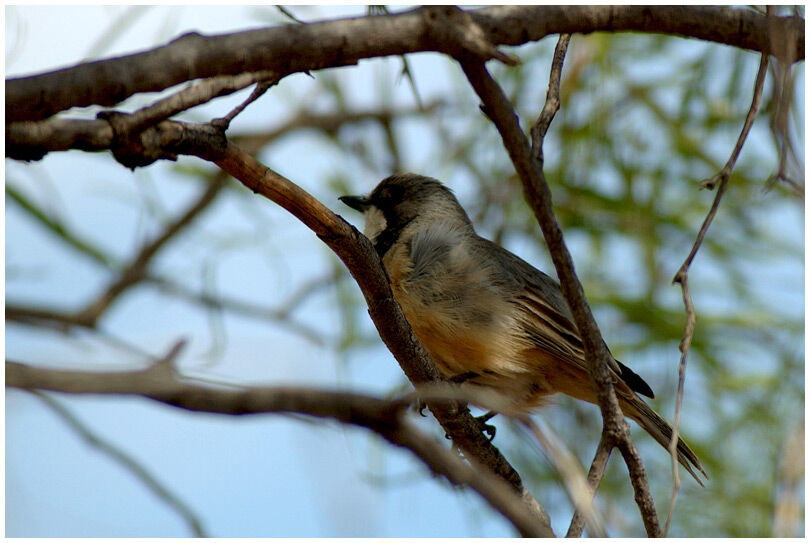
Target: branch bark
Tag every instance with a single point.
(363, 263)
(300, 48)
(385, 417)
(538, 195)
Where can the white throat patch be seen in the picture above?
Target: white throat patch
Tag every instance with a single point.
(375, 223)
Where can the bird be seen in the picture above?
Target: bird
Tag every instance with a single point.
(486, 317)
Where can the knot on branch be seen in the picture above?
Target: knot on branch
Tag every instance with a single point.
(454, 31)
(134, 147)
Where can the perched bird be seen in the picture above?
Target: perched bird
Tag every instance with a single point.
(485, 316)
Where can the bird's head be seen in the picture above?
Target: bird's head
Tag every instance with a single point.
(403, 198)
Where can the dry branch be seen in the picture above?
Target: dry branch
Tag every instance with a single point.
(682, 276)
(300, 48)
(385, 417)
(538, 195)
(357, 253)
(595, 474)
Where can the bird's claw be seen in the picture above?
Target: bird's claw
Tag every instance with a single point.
(488, 429)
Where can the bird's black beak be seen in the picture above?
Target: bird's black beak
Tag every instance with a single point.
(360, 203)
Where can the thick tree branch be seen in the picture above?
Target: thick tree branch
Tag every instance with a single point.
(33, 140)
(362, 261)
(385, 417)
(299, 48)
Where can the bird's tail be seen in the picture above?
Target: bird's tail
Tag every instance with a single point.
(659, 429)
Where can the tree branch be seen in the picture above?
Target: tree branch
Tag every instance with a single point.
(362, 261)
(538, 195)
(595, 474)
(552, 104)
(385, 417)
(129, 275)
(300, 48)
(33, 140)
(682, 276)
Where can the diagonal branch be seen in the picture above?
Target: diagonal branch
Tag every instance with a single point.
(595, 474)
(127, 461)
(136, 270)
(362, 261)
(538, 195)
(129, 275)
(552, 104)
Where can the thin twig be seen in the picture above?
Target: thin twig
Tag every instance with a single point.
(787, 516)
(287, 13)
(261, 87)
(595, 474)
(782, 98)
(682, 276)
(279, 316)
(128, 462)
(552, 104)
(135, 272)
(192, 96)
(73, 239)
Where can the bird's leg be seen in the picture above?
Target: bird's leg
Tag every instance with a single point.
(487, 429)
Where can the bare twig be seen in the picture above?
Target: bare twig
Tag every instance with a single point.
(137, 268)
(287, 13)
(128, 462)
(279, 316)
(261, 87)
(682, 276)
(787, 518)
(782, 98)
(73, 239)
(197, 94)
(385, 417)
(129, 275)
(552, 104)
(595, 474)
(538, 195)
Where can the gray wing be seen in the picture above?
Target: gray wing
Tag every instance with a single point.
(546, 318)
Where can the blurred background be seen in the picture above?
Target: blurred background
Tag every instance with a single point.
(644, 119)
